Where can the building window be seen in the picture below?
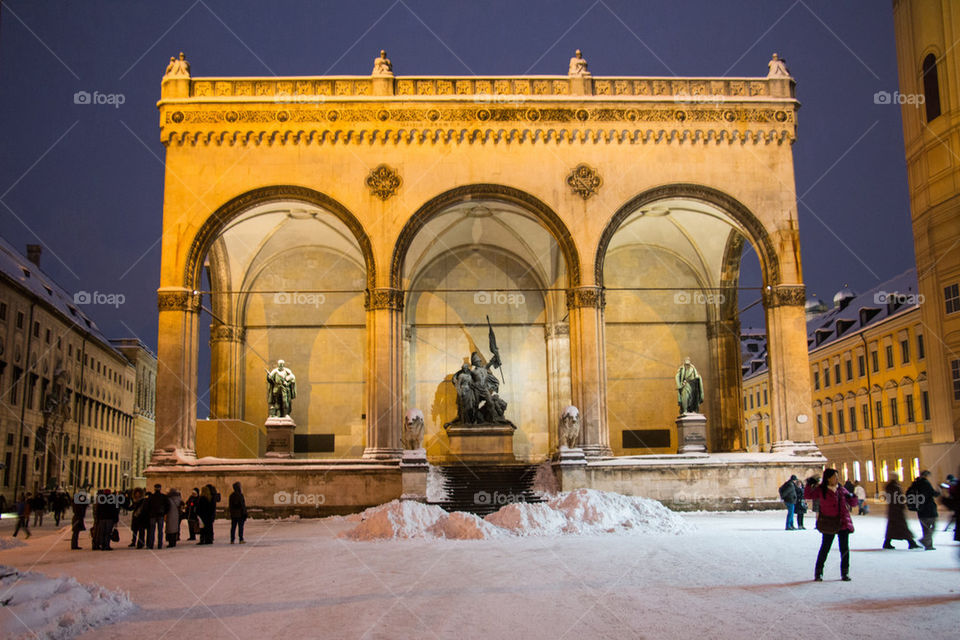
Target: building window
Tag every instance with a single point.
(910, 412)
(19, 319)
(856, 471)
(836, 372)
(870, 470)
(955, 374)
(840, 421)
(830, 423)
(816, 380)
(905, 351)
(925, 402)
(888, 351)
(894, 413)
(820, 424)
(874, 361)
(3, 311)
(853, 418)
(884, 474)
(751, 401)
(951, 296)
(826, 377)
(764, 396)
(36, 329)
(878, 405)
(849, 369)
(861, 366)
(915, 468)
(920, 351)
(931, 87)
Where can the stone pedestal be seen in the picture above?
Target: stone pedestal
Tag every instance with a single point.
(490, 443)
(570, 468)
(280, 436)
(692, 433)
(413, 474)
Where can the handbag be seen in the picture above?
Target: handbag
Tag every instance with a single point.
(829, 524)
(115, 535)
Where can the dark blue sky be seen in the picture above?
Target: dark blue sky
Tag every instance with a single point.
(86, 181)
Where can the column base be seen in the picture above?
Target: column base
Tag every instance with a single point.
(796, 448)
(171, 456)
(382, 453)
(597, 451)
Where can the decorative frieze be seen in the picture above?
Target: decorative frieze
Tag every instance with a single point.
(591, 297)
(226, 333)
(556, 330)
(784, 295)
(383, 298)
(178, 301)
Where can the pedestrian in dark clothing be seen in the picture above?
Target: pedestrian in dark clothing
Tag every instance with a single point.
(238, 512)
(801, 507)
(947, 500)
(926, 502)
(139, 519)
(897, 528)
(833, 521)
(173, 517)
(38, 505)
(193, 524)
(207, 511)
(849, 486)
(106, 513)
(157, 506)
(812, 481)
(23, 515)
(80, 502)
(788, 493)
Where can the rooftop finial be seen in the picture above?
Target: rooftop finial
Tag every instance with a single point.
(382, 65)
(578, 66)
(177, 68)
(778, 67)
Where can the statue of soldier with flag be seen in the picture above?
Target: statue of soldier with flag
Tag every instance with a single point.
(478, 388)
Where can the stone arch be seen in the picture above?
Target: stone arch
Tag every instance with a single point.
(214, 225)
(769, 260)
(496, 192)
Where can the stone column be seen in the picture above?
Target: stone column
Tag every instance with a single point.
(177, 345)
(789, 368)
(226, 341)
(723, 338)
(588, 368)
(557, 336)
(384, 373)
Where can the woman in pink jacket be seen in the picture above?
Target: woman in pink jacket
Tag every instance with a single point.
(833, 520)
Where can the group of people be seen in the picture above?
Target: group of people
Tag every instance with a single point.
(155, 516)
(834, 505)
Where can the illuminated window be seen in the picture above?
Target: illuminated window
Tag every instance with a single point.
(870, 470)
(915, 468)
(846, 473)
(884, 473)
(900, 469)
(856, 470)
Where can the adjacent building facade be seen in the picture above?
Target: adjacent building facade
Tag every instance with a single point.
(67, 396)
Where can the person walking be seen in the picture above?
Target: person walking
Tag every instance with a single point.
(801, 507)
(788, 493)
(207, 512)
(37, 507)
(833, 521)
(173, 516)
(23, 515)
(926, 507)
(157, 513)
(80, 501)
(897, 528)
(193, 524)
(106, 513)
(238, 512)
(861, 494)
(139, 519)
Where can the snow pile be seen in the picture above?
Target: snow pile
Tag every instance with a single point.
(581, 512)
(35, 605)
(11, 543)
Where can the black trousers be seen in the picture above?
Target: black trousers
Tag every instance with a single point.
(827, 542)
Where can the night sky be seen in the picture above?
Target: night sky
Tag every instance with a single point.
(86, 181)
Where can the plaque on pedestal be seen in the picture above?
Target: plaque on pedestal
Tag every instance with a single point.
(280, 436)
(692, 433)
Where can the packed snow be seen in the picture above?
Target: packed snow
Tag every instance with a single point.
(580, 512)
(33, 605)
(11, 542)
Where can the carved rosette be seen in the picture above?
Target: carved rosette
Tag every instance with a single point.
(226, 333)
(385, 298)
(785, 295)
(178, 301)
(584, 181)
(383, 182)
(591, 297)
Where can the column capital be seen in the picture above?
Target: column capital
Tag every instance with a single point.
(784, 295)
(178, 300)
(383, 298)
(590, 297)
(226, 333)
(556, 329)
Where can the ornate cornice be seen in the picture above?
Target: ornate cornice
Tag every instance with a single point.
(178, 301)
(785, 295)
(591, 297)
(226, 333)
(383, 298)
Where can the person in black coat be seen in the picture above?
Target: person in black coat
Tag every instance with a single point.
(190, 512)
(788, 493)
(157, 506)
(238, 512)
(139, 519)
(106, 513)
(80, 501)
(801, 506)
(926, 507)
(207, 512)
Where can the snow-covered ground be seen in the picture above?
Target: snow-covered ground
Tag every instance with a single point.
(731, 575)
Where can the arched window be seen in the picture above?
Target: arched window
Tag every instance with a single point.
(931, 87)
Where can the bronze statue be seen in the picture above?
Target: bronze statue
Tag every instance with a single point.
(689, 388)
(281, 390)
(478, 399)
